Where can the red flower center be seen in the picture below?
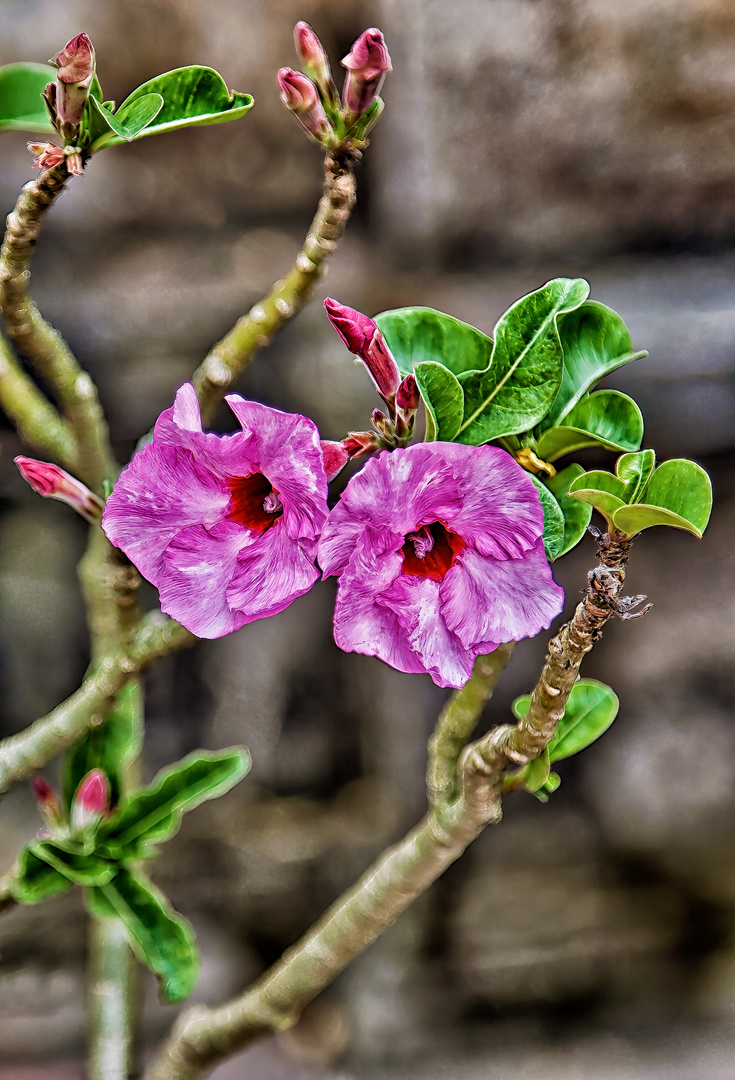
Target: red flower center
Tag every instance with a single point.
(430, 551)
(254, 502)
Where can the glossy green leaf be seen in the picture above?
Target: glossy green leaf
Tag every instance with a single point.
(73, 863)
(153, 813)
(590, 710)
(112, 746)
(536, 773)
(21, 101)
(635, 472)
(191, 96)
(34, 880)
(553, 521)
(442, 395)
(161, 939)
(678, 494)
(606, 418)
(600, 489)
(517, 388)
(416, 335)
(128, 123)
(576, 514)
(595, 341)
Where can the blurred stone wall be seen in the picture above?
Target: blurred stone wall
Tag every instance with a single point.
(522, 139)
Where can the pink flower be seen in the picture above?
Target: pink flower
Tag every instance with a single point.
(91, 801)
(439, 553)
(54, 483)
(48, 155)
(75, 72)
(367, 63)
(225, 526)
(300, 95)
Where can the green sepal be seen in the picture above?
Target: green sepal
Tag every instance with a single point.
(522, 379)
(112, 746)
(442, 395)
(417, 335)
(191, 96)
(679, 493)
(129, 122)
(606, 418)
(553, 521)
(596, 342)
(576, 514)
(34, 880)
(153, 814)
(590, 710)
(21, 98)
(161, 939)
(73, 862)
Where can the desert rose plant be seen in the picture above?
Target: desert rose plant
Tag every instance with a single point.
(442, 546)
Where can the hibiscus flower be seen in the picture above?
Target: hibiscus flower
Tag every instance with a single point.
(439, 553)
(225, 526)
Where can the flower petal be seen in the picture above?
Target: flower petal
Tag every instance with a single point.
(270, 574)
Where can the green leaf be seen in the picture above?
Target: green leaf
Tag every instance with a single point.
(191, 95)
(443, 398)
(73, 863)
(536, 773)
(416, 335)
(161, 939)
(595, 341)
(153, 813)
(591, 708)
(678, 494)
(21, 102)
(128, 123)
(607, 418)
(600, 489)
(635, 471)
(517, 388)
(576, 514)
(553, 521)
(112, 746)
(34, 880)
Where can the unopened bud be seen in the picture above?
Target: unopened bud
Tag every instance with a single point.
(367, 63)
(48, 801)
(300, 95)
(54, 483)
(313, 57)
(91, 801)
(361, 443)
(75, 71)
(407, 395)
(363, 338)
(335, 456)
(383, 426)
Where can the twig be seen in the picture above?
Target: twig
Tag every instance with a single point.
(36, 420)
(112, 1007)
(233, 353)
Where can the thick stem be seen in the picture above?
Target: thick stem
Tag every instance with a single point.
(233, 353)
(112, 1002)
(36, 420)
(44, 346)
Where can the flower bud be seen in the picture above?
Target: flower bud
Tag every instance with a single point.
(48, 156)
(363, 338)
(335, 456)
(54, 483)
(48, 801)
(407, 395)
(383, 426)
(91, 801)
(75, 71)
(361, 443)
(310, 52)
(300, 95)
(367, 63)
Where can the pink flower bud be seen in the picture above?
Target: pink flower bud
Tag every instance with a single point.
(310, 52)
(383, 426)
(335, 456)
(361, 443)
(76, 67)
(48, 801)
(367, 63)
(91, 801)
(407, 395)
(48, 156)
(363, 338)
(54, 483)
(300, 95)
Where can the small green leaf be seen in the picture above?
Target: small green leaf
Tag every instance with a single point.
(595, 341)
(129, 121)
(635, 471)
(443, 398)
(591, 708)
(553, 782)
(76, 866)
(112, 746)
(153, 813)
(517, 388)
(576, 514)
(600, 489)
(416, 335)
(553, 521)
(21, 101)
(191, 96)
(607, 418)
(678, 494)
(161, 939)
(35, 881)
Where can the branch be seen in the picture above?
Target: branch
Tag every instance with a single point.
(233, 353)
(44, 346)
(36, 420)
